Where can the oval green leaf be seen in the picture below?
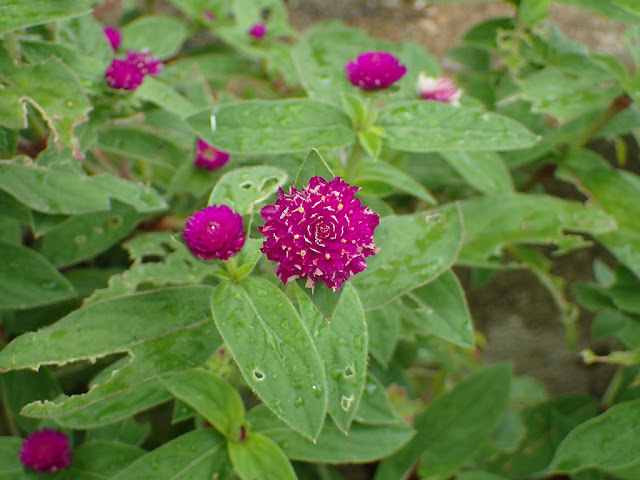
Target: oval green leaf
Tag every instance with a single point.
(161, 35)
(258, 457)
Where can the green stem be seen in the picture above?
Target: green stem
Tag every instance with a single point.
(617, 106)
(615, 385)
(6, 413)
(354, 159)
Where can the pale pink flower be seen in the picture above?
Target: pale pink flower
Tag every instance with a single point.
(439, 89)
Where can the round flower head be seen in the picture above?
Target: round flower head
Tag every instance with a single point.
(439, 89)
(319, 233)
(46, 451)
(258, 30)
(209, 157)
(214, 232)
(114, 36)
(129, 73)
(374, 70)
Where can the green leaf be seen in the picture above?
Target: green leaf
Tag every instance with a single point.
(614, 191)
(453, 427)
(56, 191)
(101, 459)
(81, 237)
(325, 299)
(312, 166)
(384, 329)
(608, 442)
(531, 12)
(441, 309)
(16, 14)
(10, 466)
(485, 171)
(365, 443)
(217, 68)
(274, 351)
(210, 395)
(369, 174)
(375, 407)
(493, 221)
(620, 10)
(258, 456)
(164, 96)
(25, 84)
(160, 331)
(414, 249)
(477, 475)
(161, 35)
(244, 189)
(420, 126)
(128, 431)
(273, 126)
(28, 280)
(197, 454)
(342, 346)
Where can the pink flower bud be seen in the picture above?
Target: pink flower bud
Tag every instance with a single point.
(214, 232)
(439, 89)
(46, 451)
(258, 31)
(209, 157)
(114, 36)
(374, 70)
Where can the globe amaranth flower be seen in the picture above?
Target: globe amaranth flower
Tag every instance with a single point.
(374, 70)
(214, 232)
(209, 16)
(128, 73)
(439, 89)
(46, 451)
(319, 233)
(114, 36)
(258, 30)
(209, 157)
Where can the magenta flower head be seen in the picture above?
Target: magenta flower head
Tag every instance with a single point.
(129, 73)
(374, 70)
(439, 89)
(208, 16)
(209, 157)
(319, 233)
(258, 31)
(214, 232)
(114, 36)
(46, 451)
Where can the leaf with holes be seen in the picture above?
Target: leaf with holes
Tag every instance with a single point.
(414, 249)
(243, 189)
(160, 331)
(273, 350)
(342, 346)
(273, 126)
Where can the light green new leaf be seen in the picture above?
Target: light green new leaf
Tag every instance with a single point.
(342, 346)
(485, 171)
(28, 280)
(615, 191)
(258, 457)
(312, 166)
(165, 96)
(273, 126)
(531, 12)
(161, 35)
(365, 443)
(610, 441)
(274, 351)
(420, 126)
(56, 191)
(196, 454)
(494, 221)
(101, 459)
(453, 427)
(210, 395)
(243, 189)
(414, 249)
(373, 174)
(440, 308)
(160, 330)
(60, 97)
(17, 14)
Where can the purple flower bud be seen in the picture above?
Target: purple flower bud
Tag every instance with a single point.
(46, 451)
(258, 31)
(374, 70)
(214, 232)
(209, 16)
(209, 157)
(439, 89)
(124, 75)
(114, 36)
(319, 233)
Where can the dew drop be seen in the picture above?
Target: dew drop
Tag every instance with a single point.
(80, 239)
(299, 401)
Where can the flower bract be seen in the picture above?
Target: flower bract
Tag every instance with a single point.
(214, 232)
(439, 89)
(114, 36)
(128, 73)
(374, 70)
(209, 157)
(46, 451)
(320, 233)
